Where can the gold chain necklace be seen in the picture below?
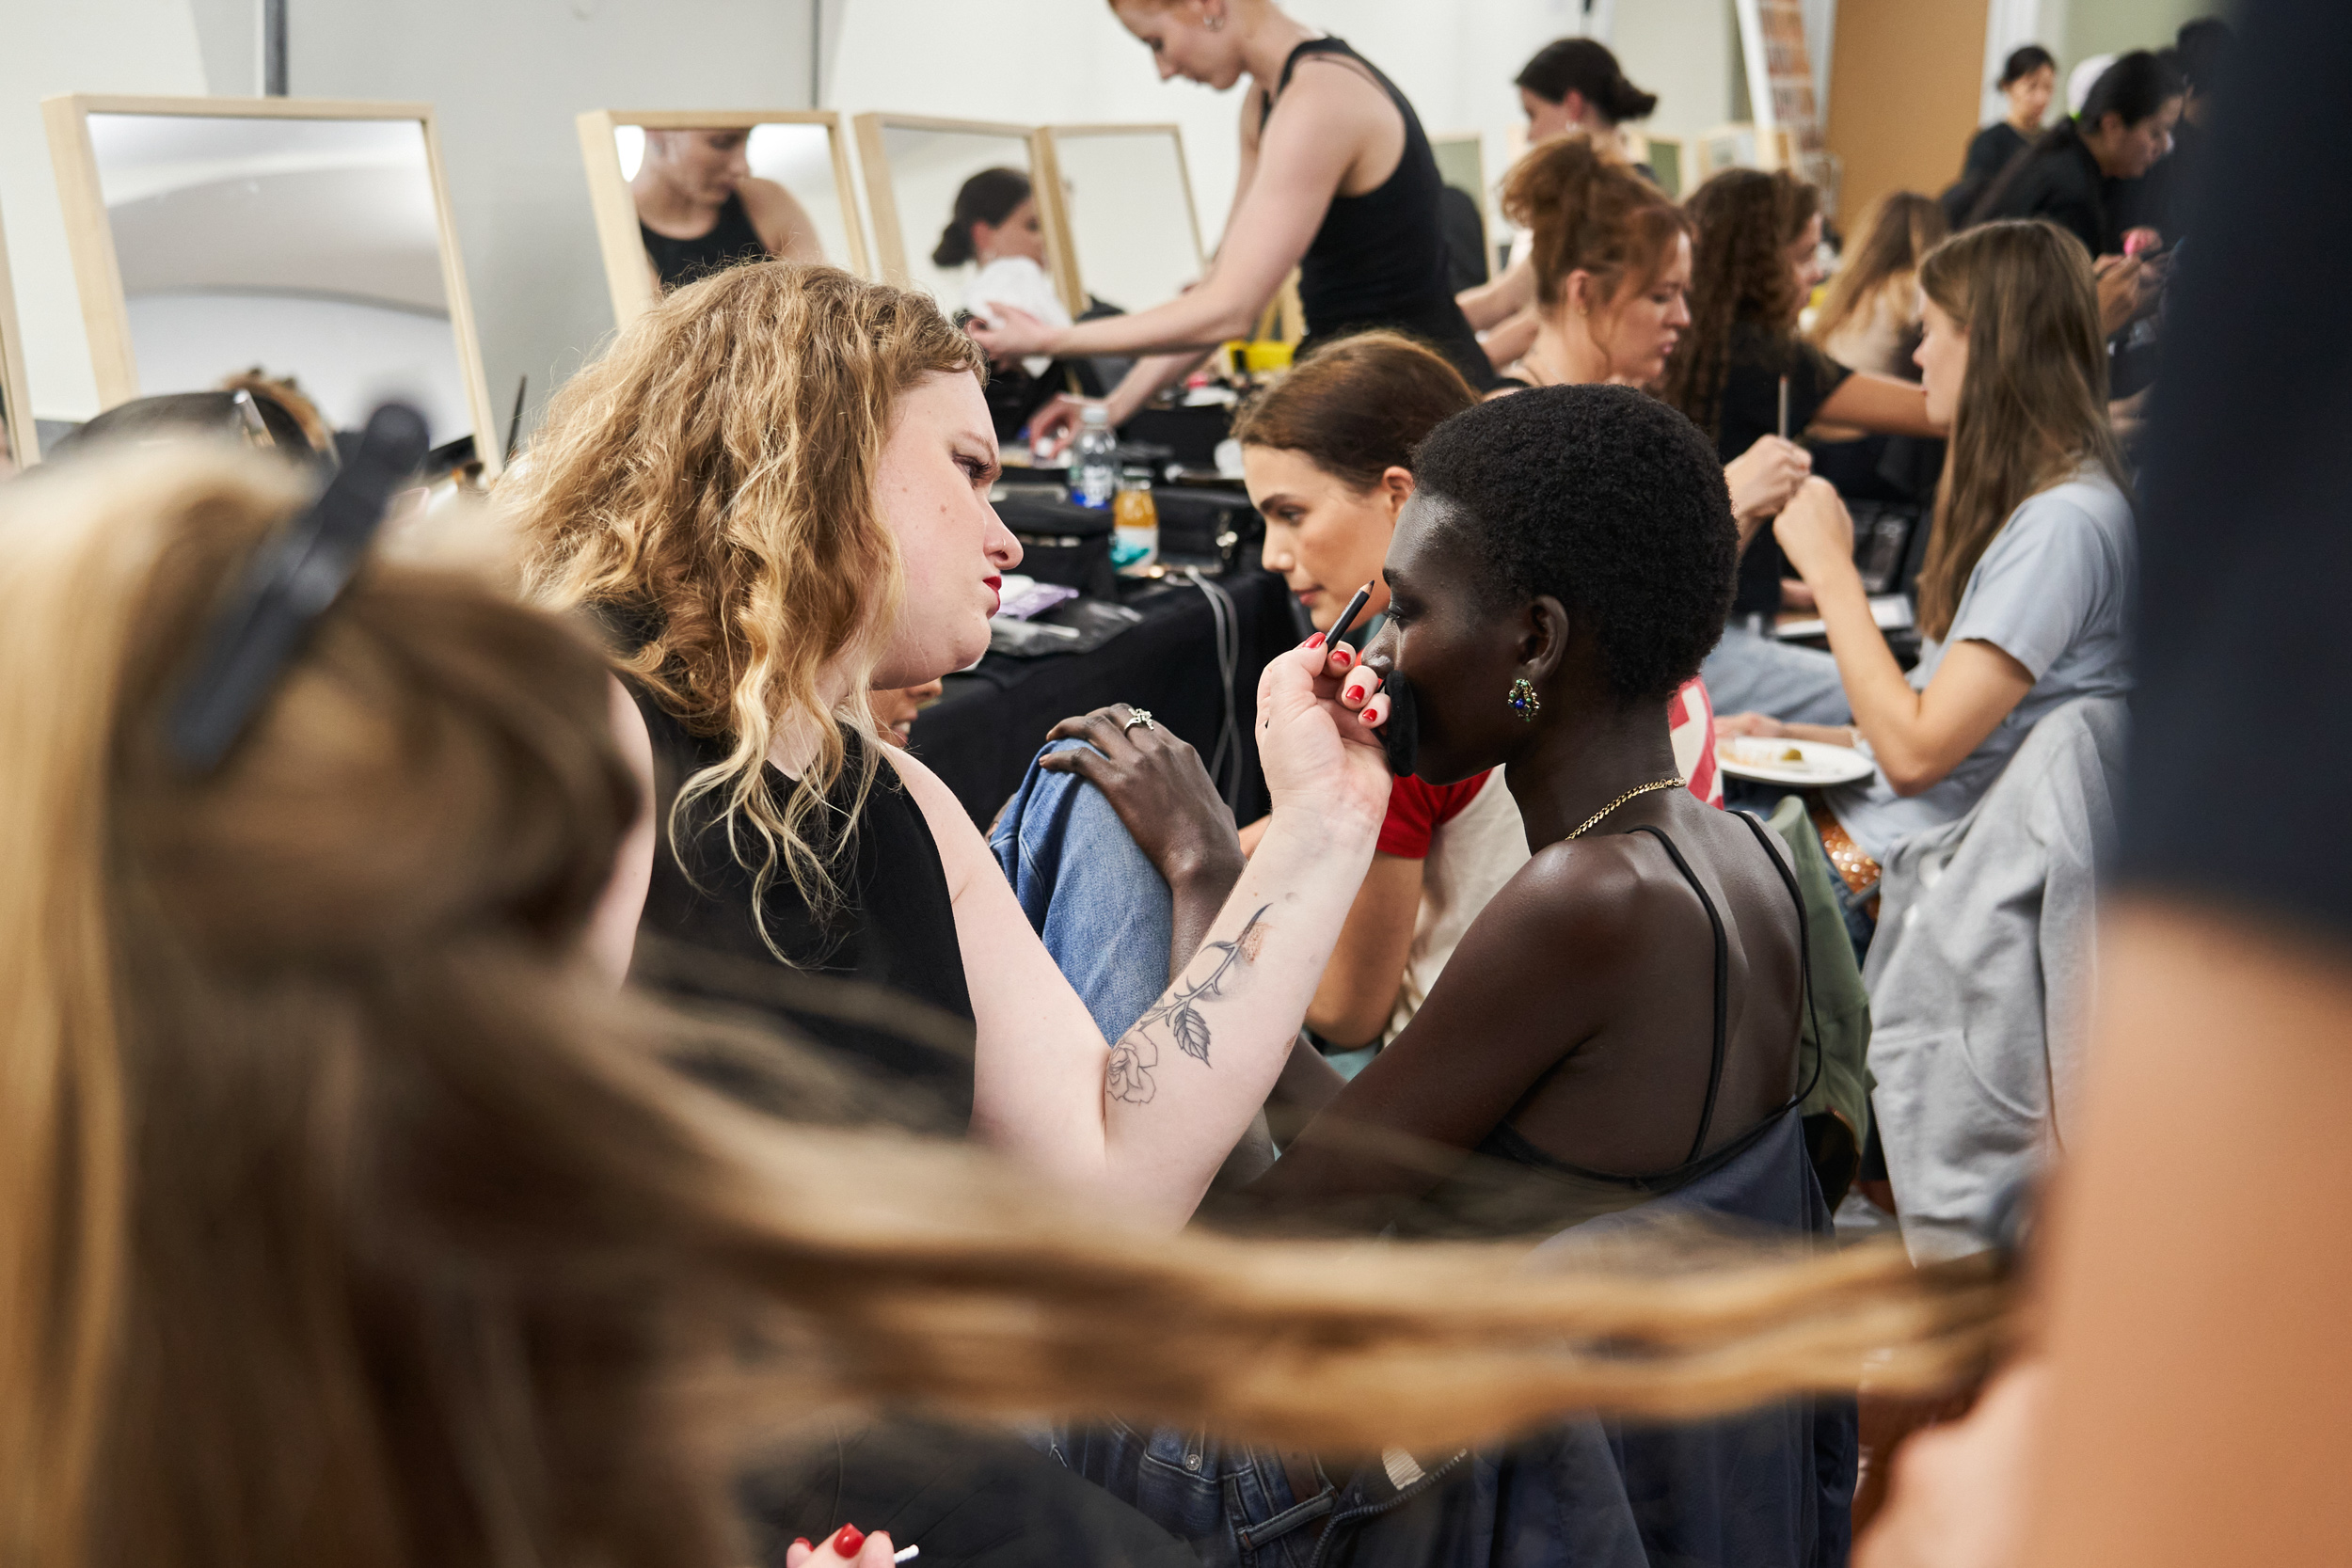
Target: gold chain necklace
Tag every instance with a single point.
(1639, 790)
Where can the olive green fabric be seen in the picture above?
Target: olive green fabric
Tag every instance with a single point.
(1837, 1111)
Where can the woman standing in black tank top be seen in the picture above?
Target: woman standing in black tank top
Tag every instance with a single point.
(700, 210)
(1337, 181)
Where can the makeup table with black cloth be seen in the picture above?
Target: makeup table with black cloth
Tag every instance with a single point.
(981, 735)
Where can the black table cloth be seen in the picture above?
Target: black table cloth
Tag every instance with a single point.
(981, 734)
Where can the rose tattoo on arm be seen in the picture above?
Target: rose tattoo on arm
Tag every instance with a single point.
(1178, 1013)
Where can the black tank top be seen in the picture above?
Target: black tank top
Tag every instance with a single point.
(730, 240)
(894, 930)
(1380, 258)
(1507, 1143)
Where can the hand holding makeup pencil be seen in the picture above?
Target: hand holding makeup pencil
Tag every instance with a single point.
(1320, 757)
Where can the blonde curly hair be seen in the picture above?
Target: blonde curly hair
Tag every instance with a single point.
(710, 483)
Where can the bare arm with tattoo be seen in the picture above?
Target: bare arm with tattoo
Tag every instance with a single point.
(1145, 1122)
(1154, 779)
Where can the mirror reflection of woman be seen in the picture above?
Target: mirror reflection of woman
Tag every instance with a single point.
(1337, 181)
(995, 228)
(701, 210)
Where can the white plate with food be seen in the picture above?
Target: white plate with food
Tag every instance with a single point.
(1806, 764)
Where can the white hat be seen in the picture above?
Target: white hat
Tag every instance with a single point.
(2084, 77)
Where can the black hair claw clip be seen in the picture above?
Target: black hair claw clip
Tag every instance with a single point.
(291, 581)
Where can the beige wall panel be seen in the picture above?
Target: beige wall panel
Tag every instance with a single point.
(1903, 94)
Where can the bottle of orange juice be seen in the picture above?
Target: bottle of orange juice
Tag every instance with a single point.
(1135, 525)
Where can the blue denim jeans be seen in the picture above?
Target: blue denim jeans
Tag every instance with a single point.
(1107, 917)
(1098, 905)
(1749, 673)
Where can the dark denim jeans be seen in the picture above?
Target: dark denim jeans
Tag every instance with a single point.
(1232, 1504)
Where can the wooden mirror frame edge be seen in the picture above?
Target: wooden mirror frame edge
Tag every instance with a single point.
(98, 274)
(24, 440)
(623, 249)
(1065, 251)
(890, 244)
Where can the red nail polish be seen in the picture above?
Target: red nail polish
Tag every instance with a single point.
(1314, 642)
(1340, 657)
(847, 1541)
(801, 1541)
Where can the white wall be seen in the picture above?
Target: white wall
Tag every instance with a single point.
(230, 34)
(145, 46)
(1687, 52)
(508, 77)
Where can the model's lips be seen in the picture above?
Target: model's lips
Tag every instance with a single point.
(1307, 594)
(996, 587)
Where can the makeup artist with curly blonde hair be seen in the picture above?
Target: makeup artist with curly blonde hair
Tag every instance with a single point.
(774, 491)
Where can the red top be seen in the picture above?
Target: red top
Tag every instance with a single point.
(1415, 809)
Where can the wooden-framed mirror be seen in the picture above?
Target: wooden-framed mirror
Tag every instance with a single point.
(916, 169)
(20, 448)
(678, 192)
(309, 238)
(1125, 219)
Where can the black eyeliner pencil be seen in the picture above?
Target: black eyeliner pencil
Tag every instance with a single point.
(1348, 617)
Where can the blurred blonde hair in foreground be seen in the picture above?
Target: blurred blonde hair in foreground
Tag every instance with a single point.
(345, 1218)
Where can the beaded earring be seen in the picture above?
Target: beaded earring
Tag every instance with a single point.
(1521, 699)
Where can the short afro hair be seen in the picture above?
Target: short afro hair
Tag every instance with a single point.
(1610, 501)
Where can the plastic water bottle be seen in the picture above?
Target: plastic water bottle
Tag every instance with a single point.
(1094, 460)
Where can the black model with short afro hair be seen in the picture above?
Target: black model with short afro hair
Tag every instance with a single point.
(1610, 501)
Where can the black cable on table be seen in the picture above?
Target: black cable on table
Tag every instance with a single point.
(1225, 760)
